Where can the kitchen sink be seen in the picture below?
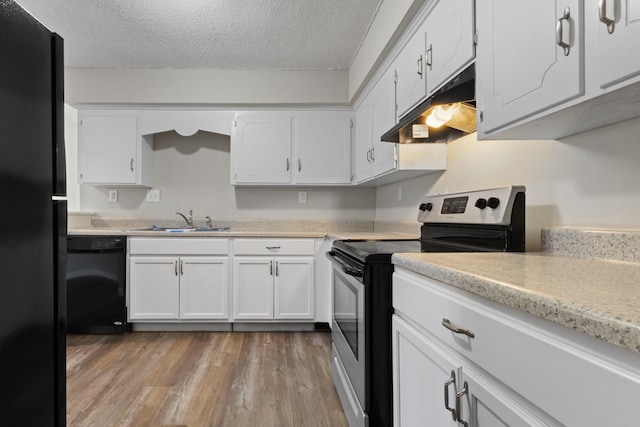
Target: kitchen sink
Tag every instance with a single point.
(182, 230)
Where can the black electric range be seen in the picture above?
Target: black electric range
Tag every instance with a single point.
(490, 220)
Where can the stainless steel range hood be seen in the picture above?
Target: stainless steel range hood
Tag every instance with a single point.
(447, 115)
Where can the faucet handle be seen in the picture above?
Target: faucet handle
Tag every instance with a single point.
(209, 222)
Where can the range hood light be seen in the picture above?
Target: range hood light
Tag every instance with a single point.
(440, 115)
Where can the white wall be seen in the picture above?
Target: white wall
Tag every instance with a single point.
(193, 173)
(587, 180)
(204, 86)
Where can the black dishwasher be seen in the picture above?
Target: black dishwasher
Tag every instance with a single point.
(96, 291)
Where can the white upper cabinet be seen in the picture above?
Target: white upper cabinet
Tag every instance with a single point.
(561, 69)
(363, 141)
(383, 111)
(261, 148)
(521, 69)
(618, 36)
(411, 85)
(279, 148)
(111, 149)
(440, 48)
(322, 147)
(450, 47)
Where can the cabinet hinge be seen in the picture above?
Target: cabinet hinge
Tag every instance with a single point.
(395, 76)
(475, 38)
(80, 122)
(235, 123)
(351, 123)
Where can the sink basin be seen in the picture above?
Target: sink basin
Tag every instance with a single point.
(183, 230)
(214, 229)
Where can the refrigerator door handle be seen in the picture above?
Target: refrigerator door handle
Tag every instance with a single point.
(59, 198)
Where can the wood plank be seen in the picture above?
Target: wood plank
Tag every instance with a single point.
(201, 379)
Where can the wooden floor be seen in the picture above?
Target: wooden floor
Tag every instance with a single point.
(201, 379)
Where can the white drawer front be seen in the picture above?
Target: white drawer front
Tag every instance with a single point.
(274, 247)
(178, 246)
(564, 379)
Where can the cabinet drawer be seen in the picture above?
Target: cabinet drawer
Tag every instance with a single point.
(541, 361)
(274, 247)
(178, 246)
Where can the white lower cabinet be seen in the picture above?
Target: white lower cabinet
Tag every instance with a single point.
(273, 287)
(165, 286)
(432, 387)
(459, 355)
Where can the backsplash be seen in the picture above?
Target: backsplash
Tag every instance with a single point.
(613, 245)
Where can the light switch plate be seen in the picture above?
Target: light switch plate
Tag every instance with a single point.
(302, 196)
(113, 195)
(153, 195)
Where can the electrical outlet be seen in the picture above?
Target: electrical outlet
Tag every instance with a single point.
(302, 196)
(113, 195)
(153, 195)
(399, 192)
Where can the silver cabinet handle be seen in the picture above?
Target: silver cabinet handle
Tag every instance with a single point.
(181, 268)
(287, 164)
(271, 268)
(175, 267)
(299, 165)
(560, 33)
(602, 11)
(373, 159)
(419, 66)
(272, 248)
(459, 395)
(429, 60)
(277, 269)
(447, 383)
(369, 155)
(447, 324)
(131, 164)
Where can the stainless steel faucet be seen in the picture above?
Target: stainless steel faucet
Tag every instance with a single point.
(189, 220)
(209, 222)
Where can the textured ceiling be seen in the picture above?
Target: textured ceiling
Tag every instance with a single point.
(248, 34)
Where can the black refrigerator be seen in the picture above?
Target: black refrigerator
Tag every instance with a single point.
(33, 222)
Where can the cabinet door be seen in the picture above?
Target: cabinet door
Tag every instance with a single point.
(253, 288)
(420, 371)
(411, 85)
(618, 53)
(204, 285)
(520, 68)
(486, 405)
(450, 28)
(261, 149)
(154, 288)
(107, 149)
(383, 154)
(322, 146)
(362, 151)
(294, 288)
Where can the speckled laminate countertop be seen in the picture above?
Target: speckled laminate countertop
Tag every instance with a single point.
(266, 233)
(596, 297)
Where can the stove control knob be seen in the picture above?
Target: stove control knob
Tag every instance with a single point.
(426, 207)
(493, 202)
(481, 203)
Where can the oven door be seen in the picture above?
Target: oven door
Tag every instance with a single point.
(348, 325)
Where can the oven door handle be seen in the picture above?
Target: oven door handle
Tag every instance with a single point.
(346, 267)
